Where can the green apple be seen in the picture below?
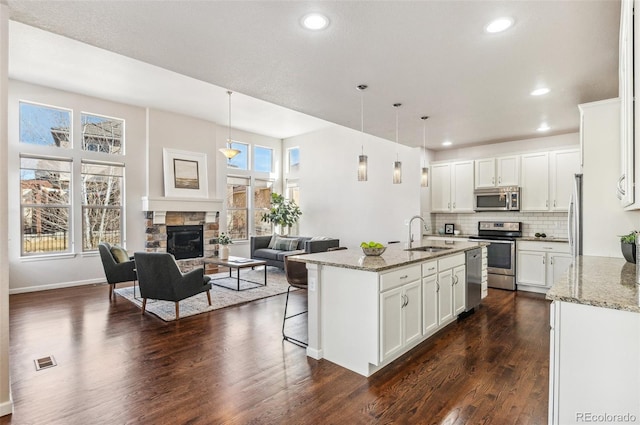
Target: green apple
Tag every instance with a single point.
(364, 245)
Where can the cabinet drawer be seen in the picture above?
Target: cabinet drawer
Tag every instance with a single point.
(429, 268)
(451, 262)
(399, 277)
(562, 247)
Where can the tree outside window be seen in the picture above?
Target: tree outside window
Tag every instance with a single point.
(261, 204)
(238, 207)
(101, 204)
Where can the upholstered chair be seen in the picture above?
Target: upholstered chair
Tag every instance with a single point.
(117, 269)
(160, 278)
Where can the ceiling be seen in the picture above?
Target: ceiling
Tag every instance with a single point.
(432, 56)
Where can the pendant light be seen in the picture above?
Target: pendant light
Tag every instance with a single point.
(397, 165)
(424, 176)
(228, 151)
(362, 158)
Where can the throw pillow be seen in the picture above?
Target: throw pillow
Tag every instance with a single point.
(320, 238)
(286, 244)
(119, 254)
(272, 242)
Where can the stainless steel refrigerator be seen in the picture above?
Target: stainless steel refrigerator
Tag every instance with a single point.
(574, 219)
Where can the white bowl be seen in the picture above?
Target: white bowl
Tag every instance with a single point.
(373, 251)
(456, 232)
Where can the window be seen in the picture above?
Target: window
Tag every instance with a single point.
(293, 159)
(263, 159)
(240, 161)
(261, 205)
(45, 125)
(102, 134)
(101, 204)
(238, 207)
(45, 205)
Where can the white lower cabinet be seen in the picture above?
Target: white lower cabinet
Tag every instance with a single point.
(539, 264)
(400, 311)
(594, 372)
(443, 292)
(430, 319)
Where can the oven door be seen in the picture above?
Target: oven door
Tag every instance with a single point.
(491, 201)
(501, 257)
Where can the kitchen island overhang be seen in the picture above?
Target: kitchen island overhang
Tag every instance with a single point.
(364, 312)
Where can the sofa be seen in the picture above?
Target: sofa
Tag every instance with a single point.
(273, 249)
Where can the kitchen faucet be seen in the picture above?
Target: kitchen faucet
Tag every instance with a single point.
(424, 224)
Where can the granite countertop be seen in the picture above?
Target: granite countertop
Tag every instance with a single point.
(394, 256)
(547, 239)
(600, 282)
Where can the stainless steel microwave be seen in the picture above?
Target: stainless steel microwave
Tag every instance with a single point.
(497, 199)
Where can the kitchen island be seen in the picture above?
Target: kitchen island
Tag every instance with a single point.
(364, 312)
(594, 367)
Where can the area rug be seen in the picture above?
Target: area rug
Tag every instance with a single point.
(220, 297)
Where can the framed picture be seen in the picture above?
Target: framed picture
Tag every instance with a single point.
(185, 174)
(448, 229)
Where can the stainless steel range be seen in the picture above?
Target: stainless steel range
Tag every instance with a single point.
(501, 252)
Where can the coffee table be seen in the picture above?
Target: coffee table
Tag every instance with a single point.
(237, 263)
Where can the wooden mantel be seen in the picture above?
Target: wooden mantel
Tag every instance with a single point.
(160, 206)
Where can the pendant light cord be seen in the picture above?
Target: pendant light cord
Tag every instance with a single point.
(397, 105)
(229, 127)
(424, 140)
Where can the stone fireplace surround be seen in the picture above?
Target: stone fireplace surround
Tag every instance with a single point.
(162, 212)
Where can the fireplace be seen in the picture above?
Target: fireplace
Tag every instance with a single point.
(185, 241)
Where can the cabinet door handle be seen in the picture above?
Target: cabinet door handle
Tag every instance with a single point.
(404, 277)
(437, 286)
(455, 280)
(499, 180)
(431, 268)
(449, 205)
(621, 191)
(454, 205)
(547, 203)
(554, 202)
(542, 260)
(493, 180)
(551, 261)
(406, 303)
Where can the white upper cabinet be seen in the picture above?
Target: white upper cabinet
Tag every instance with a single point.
(534, 182)
(508, 170)
(452, 187)
(485, 173)
(564, 165)
(496, 172)
(625, 189)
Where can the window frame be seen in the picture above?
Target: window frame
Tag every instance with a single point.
(37, 145)
(289, 151)
(255, 156)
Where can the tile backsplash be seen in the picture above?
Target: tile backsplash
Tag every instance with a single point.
(553, 224)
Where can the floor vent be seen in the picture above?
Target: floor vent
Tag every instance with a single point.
(45, 362)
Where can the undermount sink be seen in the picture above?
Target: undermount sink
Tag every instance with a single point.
(428, 248)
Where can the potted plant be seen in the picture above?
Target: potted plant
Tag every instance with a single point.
(223, 241)
(283, 213)
(628, 246)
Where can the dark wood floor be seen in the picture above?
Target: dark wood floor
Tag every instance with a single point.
(230, 366)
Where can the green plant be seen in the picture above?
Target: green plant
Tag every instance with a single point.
(629, 238)
(283, 212)
(224, 239)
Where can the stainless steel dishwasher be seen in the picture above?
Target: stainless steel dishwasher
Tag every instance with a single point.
(474, 278)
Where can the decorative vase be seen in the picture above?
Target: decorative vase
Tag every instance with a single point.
(224, 252)
(628, 251)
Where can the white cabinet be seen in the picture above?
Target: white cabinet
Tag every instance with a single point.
(495, 172)
(540, 264)
(459, 289)
(547, 179)
(452, 187)
(593, 364)
(430, 319)
(445, 297)
(535, 182)
(564, 165)
(625, 188)
(400, 310)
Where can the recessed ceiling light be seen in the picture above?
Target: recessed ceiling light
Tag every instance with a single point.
(447, 143)
(540, 91)
(544, 127)
(315, 21)
(499, 25)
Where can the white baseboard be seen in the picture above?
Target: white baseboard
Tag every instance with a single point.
(314, 353)
(6, 408)
(55, 286)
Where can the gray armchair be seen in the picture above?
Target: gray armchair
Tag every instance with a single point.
(160, 279)
(114, 271)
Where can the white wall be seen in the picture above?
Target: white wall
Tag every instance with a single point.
(334, 203)
(570, 140)
(6, 404)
